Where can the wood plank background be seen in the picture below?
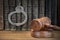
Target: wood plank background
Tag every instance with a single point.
(1, 15)
(33, 8)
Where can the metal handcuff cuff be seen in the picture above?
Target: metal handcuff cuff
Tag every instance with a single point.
(19, 9)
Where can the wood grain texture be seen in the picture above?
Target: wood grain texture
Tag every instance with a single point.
(24, 35)
(38, 24)
(42, 34)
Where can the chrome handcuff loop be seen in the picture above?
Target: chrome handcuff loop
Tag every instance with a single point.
(19, 9)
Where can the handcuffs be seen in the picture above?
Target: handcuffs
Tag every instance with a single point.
(18, 9)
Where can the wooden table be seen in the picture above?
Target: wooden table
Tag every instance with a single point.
(24, 35)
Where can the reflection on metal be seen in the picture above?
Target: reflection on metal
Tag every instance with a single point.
(19, 9)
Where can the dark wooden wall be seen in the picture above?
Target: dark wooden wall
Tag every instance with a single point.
(51, 10)
(1, 14)
(33, 8)
(58, 18)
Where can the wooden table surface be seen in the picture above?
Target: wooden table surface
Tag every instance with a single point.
(24, 35)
